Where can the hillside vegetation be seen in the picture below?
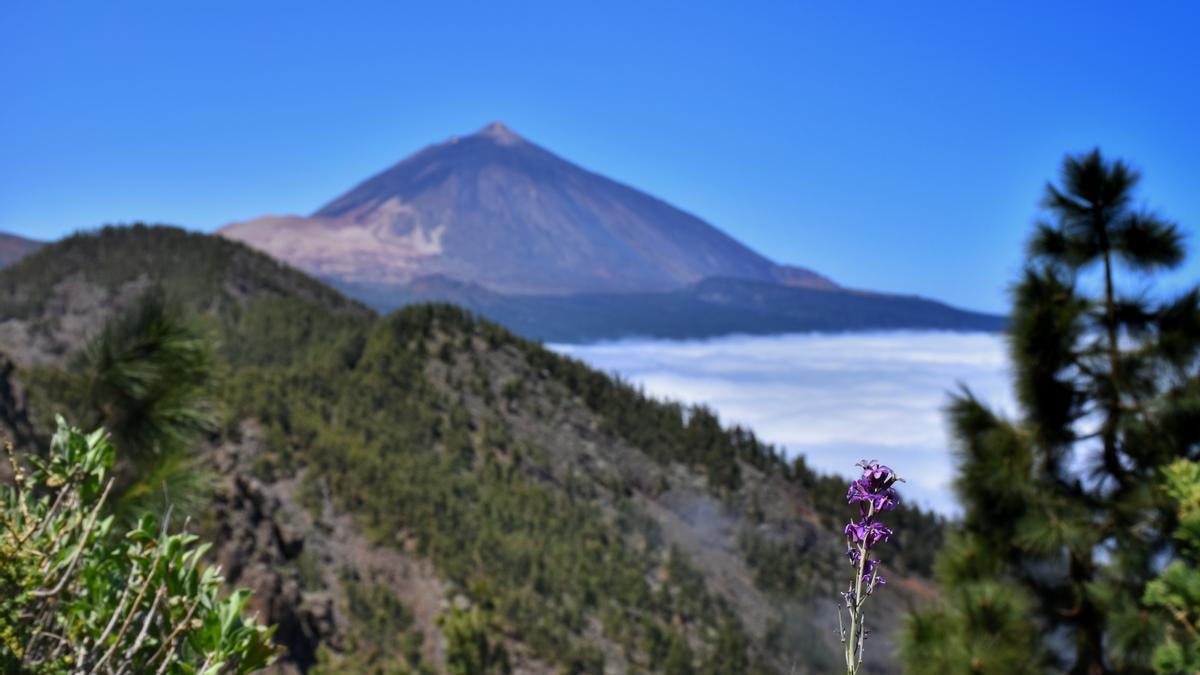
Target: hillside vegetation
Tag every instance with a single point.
(411, 492)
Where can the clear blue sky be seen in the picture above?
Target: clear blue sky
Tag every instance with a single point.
(897, 146)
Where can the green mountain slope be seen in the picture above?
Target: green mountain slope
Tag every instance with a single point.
(261, 309)
(389, 482)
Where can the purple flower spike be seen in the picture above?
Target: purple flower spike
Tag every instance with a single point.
(874, 493)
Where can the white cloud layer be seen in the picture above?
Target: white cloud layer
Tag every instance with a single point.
(834, 398)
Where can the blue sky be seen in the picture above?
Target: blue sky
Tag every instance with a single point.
(894, 146)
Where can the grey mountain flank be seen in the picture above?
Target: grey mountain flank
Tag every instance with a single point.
(496, 210)
(511, 231)
(13, 248)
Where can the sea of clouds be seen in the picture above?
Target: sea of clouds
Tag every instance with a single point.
(834, 398)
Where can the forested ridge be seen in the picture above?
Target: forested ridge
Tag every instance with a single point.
(570, 521)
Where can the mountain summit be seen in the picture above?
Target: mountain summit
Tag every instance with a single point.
(498, 211)
(501, 134)
(505, 228)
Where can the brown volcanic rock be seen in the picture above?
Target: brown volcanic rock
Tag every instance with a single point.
(799, 277)
(496, 210)
(298, 561)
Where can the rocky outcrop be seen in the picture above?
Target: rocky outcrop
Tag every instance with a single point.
(14, 418)
(298, 560)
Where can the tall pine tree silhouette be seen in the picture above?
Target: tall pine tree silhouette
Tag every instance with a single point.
(1063, 516)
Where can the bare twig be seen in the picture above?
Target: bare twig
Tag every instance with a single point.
(87, 531)
(112, 622)
(131, 654)
(133, 610)
(168, 644)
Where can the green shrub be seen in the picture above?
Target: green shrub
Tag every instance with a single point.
(1177, 590)
(77, 598)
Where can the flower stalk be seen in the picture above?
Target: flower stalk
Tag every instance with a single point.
(874, 493)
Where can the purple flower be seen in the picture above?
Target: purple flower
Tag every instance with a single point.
(869, 570)
(874, 493)
(871, 532)
(877, 473)
(883, 499)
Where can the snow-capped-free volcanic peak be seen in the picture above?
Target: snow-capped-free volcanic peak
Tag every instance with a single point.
(496, 210)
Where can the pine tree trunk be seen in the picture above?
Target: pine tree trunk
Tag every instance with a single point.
(1112, 461)
(1089, 621)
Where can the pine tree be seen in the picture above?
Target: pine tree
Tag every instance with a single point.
(146, 378)
(679, 656)
(1063, 517)
(471, 647)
